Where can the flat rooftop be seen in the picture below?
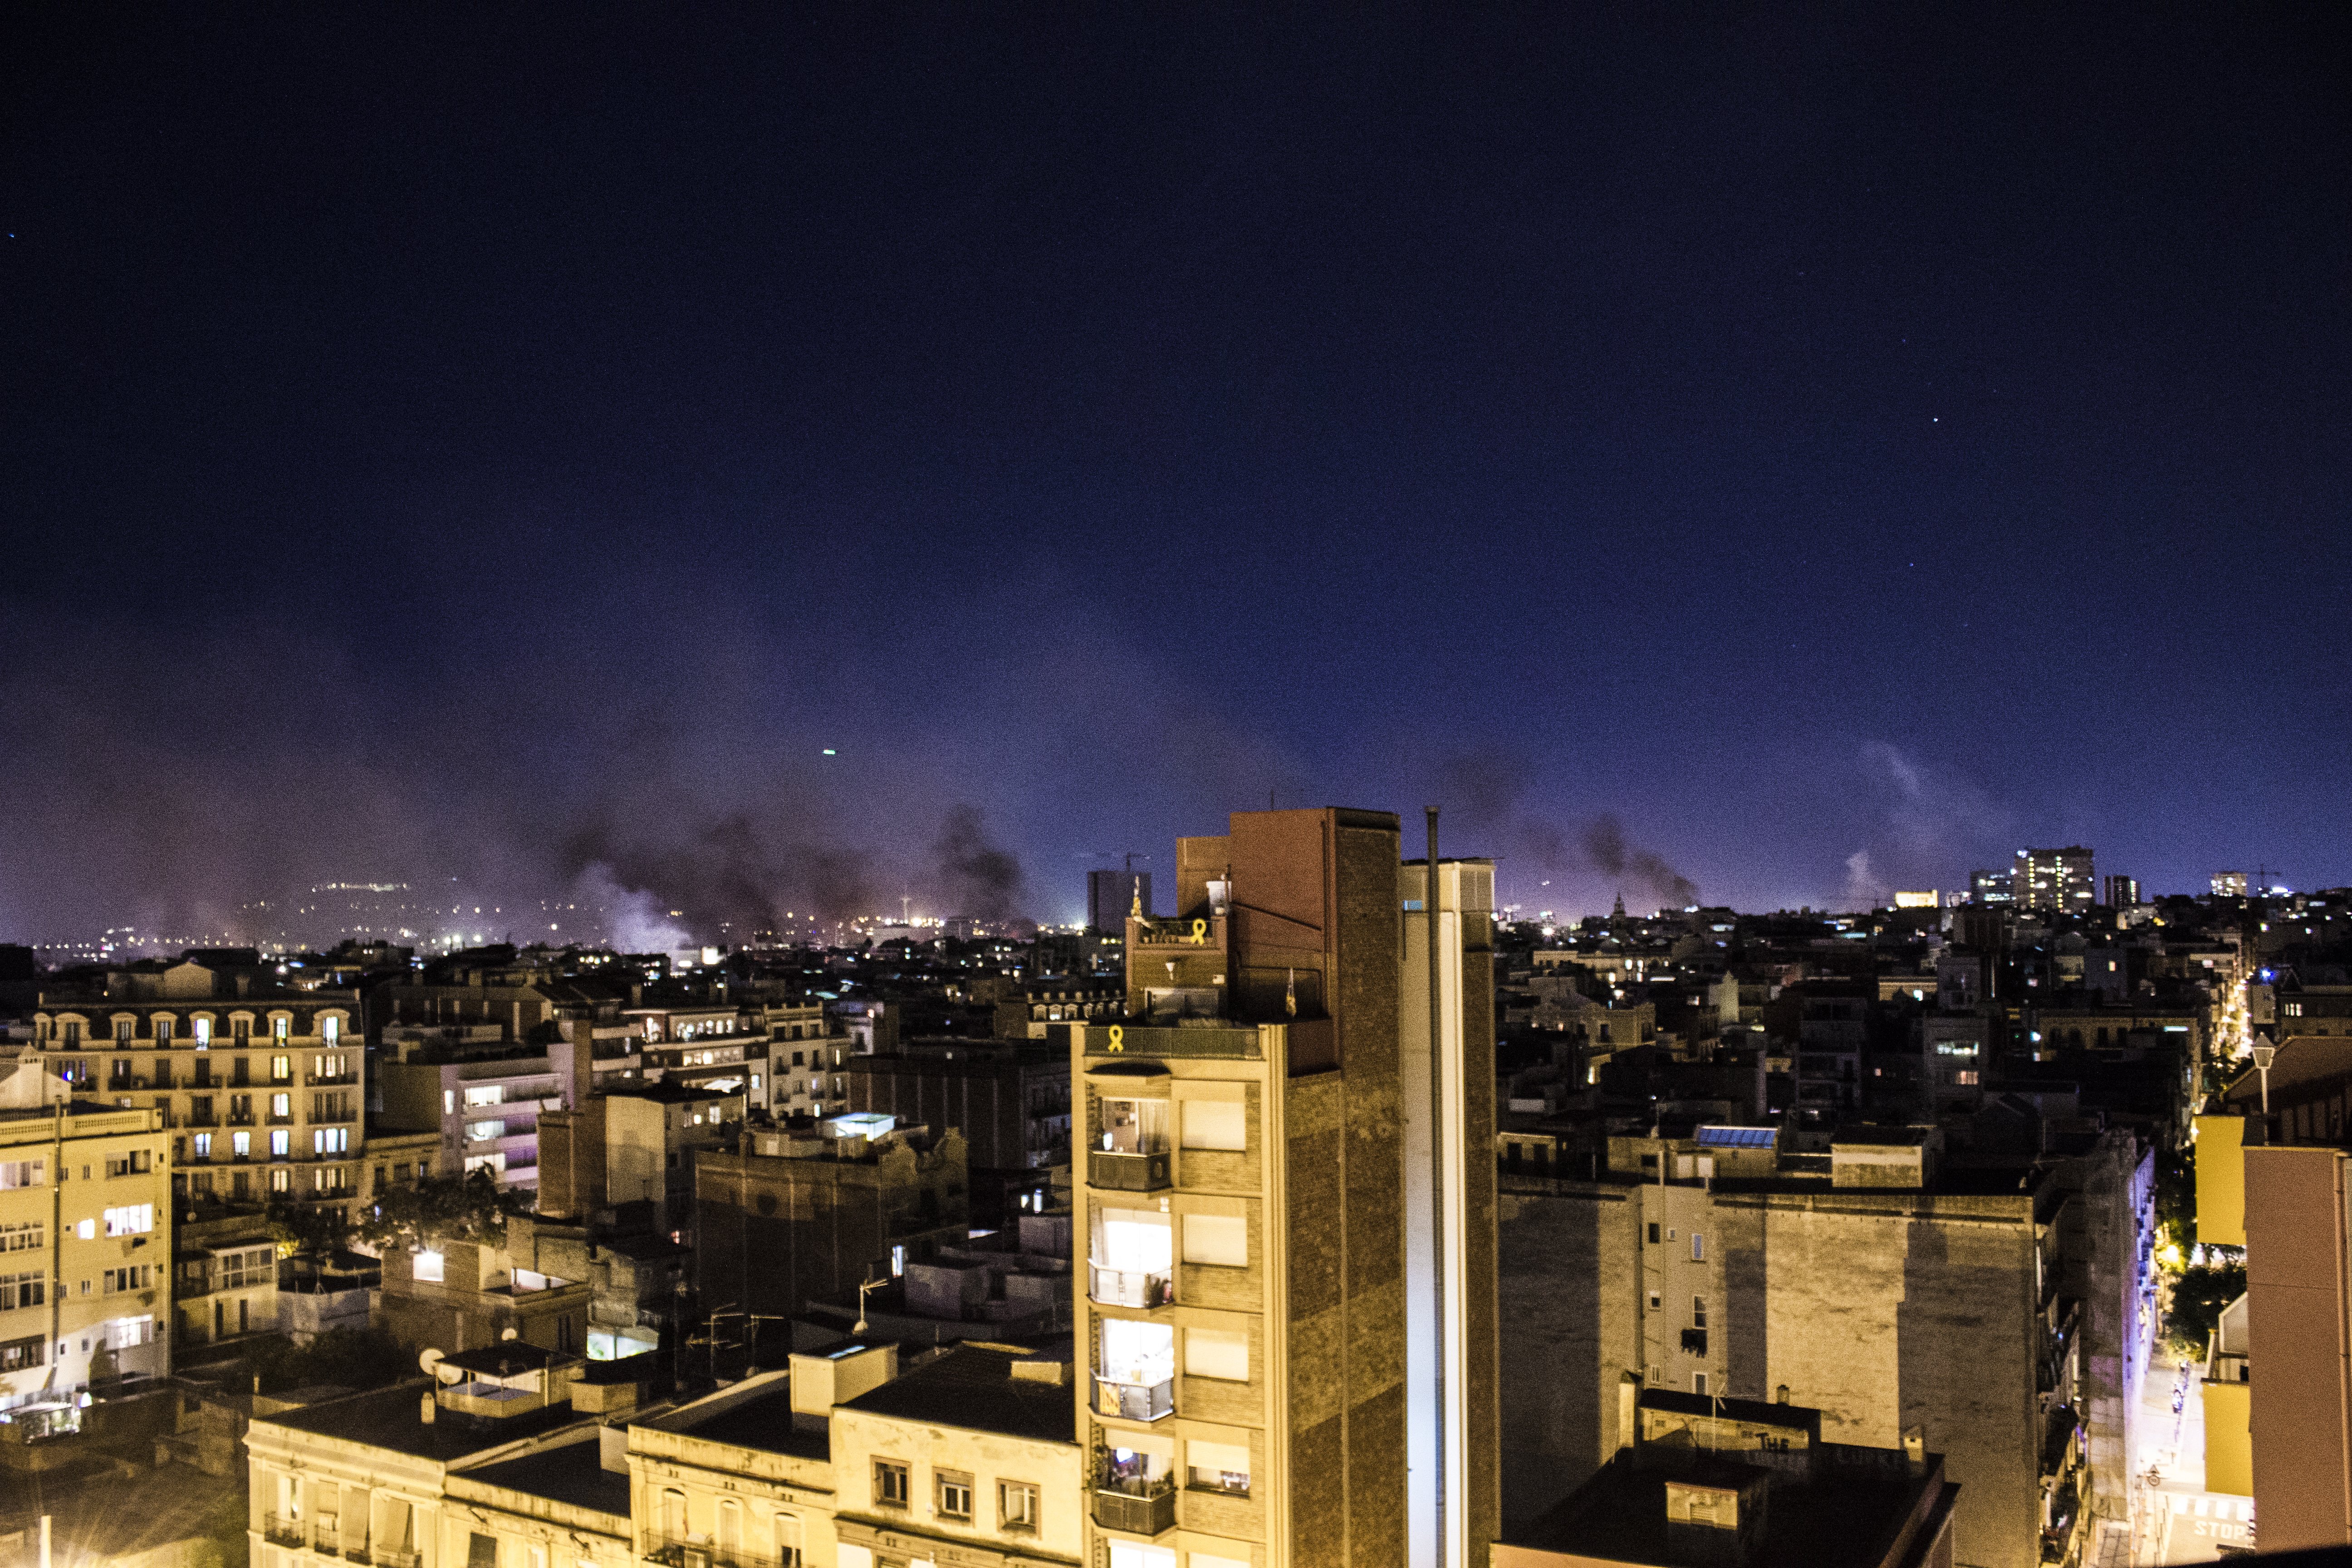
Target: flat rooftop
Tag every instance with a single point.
(973, 1387)
(760, 1420)
(388, 1418)
(574, 1473)
(1847, 1519)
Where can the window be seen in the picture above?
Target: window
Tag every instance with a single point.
(130, 1163)
(672, 1503)
(1698, 1247)
(481, 1550)
(1699, 1383)
(203, 1027)
(132, 1219)
(122, 1031)
(134, 1276)
(163, 1026)
(1219, 1240)
(890, 1484)
(15, 1173)
(281, 1106)
(128, 1334)
(330, 1139)
(1016, 1505)
(951, 1495)
(281, 1181)
(1219, 1467)
(31, 1236)
(17, 1354)
(1698, 1311)
(240, 1144)
(280, 1027)
(1216, 1124)
(331, 1026)
(1215, 1353)
(22, 1290)
(281, 1143)
(1656, 1301)
(448, 1103)
(487, 1094)
(282, 1069)
(1654, 1235)
(428, 1266)
(788, 1540)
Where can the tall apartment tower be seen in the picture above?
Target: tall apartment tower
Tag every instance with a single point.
(1287, 1212)
(2058, 879)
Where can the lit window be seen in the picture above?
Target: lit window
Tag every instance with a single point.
(427, 1267)
(132, 1219)
(281, 1143)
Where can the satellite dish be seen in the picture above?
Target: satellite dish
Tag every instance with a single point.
(430, 1361)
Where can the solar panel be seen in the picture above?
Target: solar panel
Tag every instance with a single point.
(1734, 1137)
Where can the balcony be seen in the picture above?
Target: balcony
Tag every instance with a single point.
(386, 1557)
(240, 1119)
(1132, 1288)
(1135, 1401)
(203, 1119)
(1136, 1507)
(703, 1554)
(330, 1081)
(1157, 1040)
(281, 1530)
(1128, 1172)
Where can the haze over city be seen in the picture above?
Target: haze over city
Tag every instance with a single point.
(1839, 448)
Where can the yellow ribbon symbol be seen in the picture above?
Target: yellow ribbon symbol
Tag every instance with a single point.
(1118, 1038)
(1200, 933)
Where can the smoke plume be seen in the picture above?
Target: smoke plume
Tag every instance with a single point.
(975, 876)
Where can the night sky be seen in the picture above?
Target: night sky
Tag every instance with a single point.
(1809, 451)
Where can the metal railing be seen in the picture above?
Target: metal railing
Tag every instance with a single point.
(1135, 1401)
(1132, 1288)
(1137, 1508)
(1128, 1172)
(1165, 1040)
(281, 1530)
(388, 1557)
(706, 1555)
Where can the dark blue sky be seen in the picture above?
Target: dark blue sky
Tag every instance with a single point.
(500, 444)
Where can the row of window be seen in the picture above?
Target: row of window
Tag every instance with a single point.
(164, 1028)
(728, 1526)
(953, 1494)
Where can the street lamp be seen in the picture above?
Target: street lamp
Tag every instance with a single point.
(2264, 1053)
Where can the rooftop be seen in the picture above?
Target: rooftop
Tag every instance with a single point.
(574, 1473)
(762, 1421)
(388, 1419)
(973, 1387)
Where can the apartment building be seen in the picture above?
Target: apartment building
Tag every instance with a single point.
(225, 1280)
(1268, 1307)
(1010, 1099)
(261, 1086)
(2003, 1312)
(482, 1096)
(454, 1294)
(85, 1248)
(373, 1477)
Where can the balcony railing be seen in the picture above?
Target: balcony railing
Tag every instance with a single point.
(281, 1530)
(204, 1119)
(1132, 1288)
(1164, 1040)
(1136, 1507)
(705, 1554)
(330, 1080)
(387, 1557)
(240, 1119)
(1127, 1172)
(1135, 1401)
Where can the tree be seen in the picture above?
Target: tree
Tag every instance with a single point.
(467, 1208)
(2198, 1298)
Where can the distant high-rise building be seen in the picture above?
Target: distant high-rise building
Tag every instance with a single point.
(2057, 880)
(1110, 895)
(1990, 888)
(2229, 884)
(2122, 892)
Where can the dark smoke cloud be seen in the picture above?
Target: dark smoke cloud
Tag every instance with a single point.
(1604, 846)
(1484, 789)
(975, 876)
